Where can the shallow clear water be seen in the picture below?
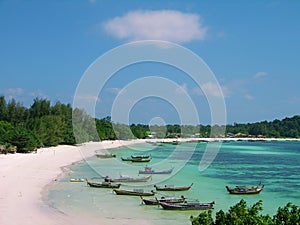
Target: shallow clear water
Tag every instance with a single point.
(276, 164)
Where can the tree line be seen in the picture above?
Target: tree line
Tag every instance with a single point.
(44, 124)
(288, 127)
(241, 214)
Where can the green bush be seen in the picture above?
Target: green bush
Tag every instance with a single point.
(241, 214)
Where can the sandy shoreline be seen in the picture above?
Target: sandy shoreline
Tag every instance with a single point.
(24, 177)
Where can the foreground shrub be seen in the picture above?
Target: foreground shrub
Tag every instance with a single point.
(241, 214)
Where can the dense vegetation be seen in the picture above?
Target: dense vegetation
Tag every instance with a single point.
(241, 214)
(288, 127)
(42, 124)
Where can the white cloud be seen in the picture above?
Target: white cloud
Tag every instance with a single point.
(87, 98)
(114, 90)
(197, 91)
(168, 25)
(260, 74)
(14, 91)
(211, 89)
(38, 93)
(182, 89)
(249, 97)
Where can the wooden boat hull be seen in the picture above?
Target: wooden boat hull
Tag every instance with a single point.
(156, 202)
(136, 160)
(186, 206)
(156, 172)
(103, 185)
(106, 156)
(168, 188)
(140, 156)
(128, 179)
(133, 193)
(244, 191)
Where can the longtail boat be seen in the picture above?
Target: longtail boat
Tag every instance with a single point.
(140, 156)
(140, 160)
(135, 192)
(127, 179)
(163, 199)
(102, 185)
(186, 205)
(172, 188)
(245, 190)
(149, 170)
(105, 156)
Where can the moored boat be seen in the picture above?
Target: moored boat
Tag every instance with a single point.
(134, 192)
(102, 185)
(172, 188)
(186, 205)
(105, 156)
(163, 199)
(127, 179)
(245, 190)
(77, 180)
(149, 170)
(140, 156)
(141, 160)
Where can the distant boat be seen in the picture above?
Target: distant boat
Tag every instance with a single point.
(102, 185)
(137, 160)
(77, 180)
(127, 179)
(245, 190)
(163, 199)
(187, 205)
(105, 156)
(135, 192)
(148, 170)
(140, 156)
(172, 188)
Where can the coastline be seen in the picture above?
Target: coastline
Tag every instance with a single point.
(27, 177)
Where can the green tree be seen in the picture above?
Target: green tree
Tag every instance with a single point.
(288, 215)
(49, 131)
(39, 108)
(23, 139)
(84, 126)
(3, 109)
(139, 130)
(17, 113)
(204, 218)
(123, 132)
(105, 129)
(5, 129)
(240, 214)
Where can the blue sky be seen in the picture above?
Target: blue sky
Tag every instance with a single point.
(252, 47)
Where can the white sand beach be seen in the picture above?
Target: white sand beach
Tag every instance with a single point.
(24, 178)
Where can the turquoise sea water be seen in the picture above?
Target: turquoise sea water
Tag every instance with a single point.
(276, 164)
